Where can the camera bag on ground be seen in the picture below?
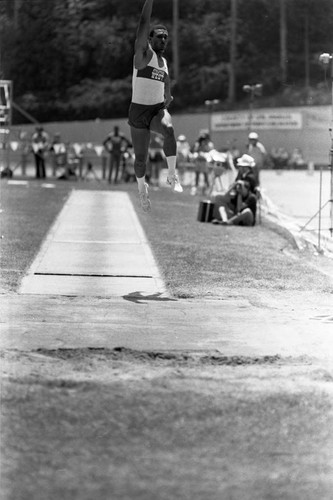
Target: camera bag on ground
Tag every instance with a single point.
(205, 213)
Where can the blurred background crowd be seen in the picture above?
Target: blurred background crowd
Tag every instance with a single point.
(43, 155)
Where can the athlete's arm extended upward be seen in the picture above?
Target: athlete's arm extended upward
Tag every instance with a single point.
(143, 51)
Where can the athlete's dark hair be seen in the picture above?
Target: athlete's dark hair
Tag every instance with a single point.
(157, 27)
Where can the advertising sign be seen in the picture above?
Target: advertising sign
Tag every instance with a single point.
(259, 120)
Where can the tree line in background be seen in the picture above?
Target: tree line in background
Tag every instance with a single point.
(72, 59)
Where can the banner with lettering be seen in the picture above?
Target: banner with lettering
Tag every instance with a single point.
(260, 120)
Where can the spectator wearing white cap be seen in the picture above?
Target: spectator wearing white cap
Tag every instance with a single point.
(237, 205)
(246, 165)
(258, 152)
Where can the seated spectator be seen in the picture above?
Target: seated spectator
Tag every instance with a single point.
(245, 166)
(236, 207)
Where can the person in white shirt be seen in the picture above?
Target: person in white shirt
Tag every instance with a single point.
(258, 153)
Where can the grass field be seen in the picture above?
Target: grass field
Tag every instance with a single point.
(196, 259)
(104, 425)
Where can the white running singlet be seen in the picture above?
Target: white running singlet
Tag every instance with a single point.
(148, 83)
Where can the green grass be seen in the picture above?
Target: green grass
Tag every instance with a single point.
(196, 259)
(27, 213)
(97, 427)
(200, 259)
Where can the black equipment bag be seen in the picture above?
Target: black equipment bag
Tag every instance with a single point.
(205, 213)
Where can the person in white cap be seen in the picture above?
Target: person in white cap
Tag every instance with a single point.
(225, 205)
(246, 165)
(258, 152)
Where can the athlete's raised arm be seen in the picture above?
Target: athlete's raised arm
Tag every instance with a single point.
(143, 51)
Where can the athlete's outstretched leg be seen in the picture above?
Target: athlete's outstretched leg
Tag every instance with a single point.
(140, 141)
(162, 124)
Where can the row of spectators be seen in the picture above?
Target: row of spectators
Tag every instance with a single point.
(281, 159)
(120, 165)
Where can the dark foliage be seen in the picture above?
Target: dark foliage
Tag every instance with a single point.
(72, 59)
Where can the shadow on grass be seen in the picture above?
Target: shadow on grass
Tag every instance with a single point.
(139, 298)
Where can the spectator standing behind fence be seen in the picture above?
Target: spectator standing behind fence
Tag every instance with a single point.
(39, 144)
(59, 155)
(116, 144)
(202, 147)
(258, 152)
(225, 205)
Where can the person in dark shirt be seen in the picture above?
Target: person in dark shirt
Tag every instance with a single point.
(115, 143)
(39, 146)
(237, 210)
(228, 199)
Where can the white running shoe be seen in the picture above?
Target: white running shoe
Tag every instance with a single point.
(144, 199)
(174, 183)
